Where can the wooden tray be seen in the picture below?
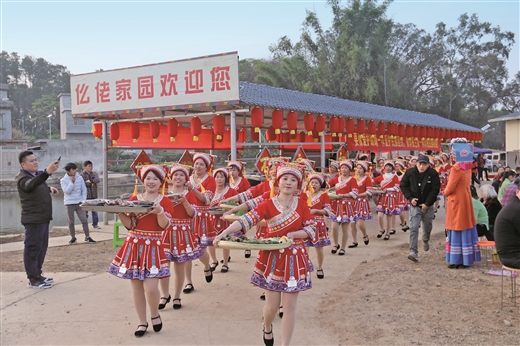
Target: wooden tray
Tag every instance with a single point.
(219, 211)
(234, 217)
(333, 196)
(115, 209)
(377, 190)
(225, 244)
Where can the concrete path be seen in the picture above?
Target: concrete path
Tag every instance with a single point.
(97, 308)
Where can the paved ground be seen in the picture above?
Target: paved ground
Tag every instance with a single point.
(96, 308)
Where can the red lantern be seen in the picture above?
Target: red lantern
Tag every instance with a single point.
(381, 129)
(423, 131)
(255, 136)
(114, 133)
(195, 128)
(349, 126)
(320, 124)
(361, 126)
(430, 132)
(286, 137)
(135, 131)
(308, 121)
(416, 131)
(292, 122)
(97, 129)
(442, 133)
(270, 134)
(341, 126)
(401, 130)
(372, 128)
(277, 120)
(409, 130)
(257, 118)
(334, 126)
(173, 127)
(218, 127)
(479, 136)
(155, 130)
(437, 133)
(242, 135)
(302, 136)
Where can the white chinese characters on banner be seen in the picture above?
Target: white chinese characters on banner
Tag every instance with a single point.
(207, 80)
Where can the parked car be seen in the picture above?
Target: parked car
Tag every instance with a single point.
(498, 159)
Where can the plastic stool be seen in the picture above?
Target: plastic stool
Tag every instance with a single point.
(116, 241)
(514, 307)
(488, 252)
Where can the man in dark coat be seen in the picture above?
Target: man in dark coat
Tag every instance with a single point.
(420, 185)
(36, 215)
(507, 232)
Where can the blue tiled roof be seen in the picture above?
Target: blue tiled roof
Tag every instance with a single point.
(268, 96)
(510, 116)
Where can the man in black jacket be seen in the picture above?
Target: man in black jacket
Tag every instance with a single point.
(36, 204)
(420, 185)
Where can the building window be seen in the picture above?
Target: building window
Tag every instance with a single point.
(79, 121)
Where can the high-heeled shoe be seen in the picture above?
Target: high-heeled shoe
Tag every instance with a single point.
(267, 342)
(280, 311)
(157, 327)
(161, 305)
(139, 332)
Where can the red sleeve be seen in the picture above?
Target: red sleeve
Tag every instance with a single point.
(167, 205)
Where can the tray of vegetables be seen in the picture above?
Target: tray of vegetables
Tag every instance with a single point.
(244, 243)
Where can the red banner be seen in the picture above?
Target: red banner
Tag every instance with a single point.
(357, 141)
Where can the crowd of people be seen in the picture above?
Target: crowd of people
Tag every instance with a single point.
(294, 200)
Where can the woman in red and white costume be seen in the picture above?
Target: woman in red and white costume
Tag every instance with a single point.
(364, 190)
(203, 186)
(222, 192)
(404, 204)
(319, 202)
(181, 245)
(333, 169)
(387, 203)
(287, 270)
(237, 181)
(344, 207)
(142, 258)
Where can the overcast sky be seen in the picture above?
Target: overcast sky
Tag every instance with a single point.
(90, 35)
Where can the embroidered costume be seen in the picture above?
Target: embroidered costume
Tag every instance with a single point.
(344, 208)
(216, 220)
(201, 220)
(362, 207)
(320, 201)
(387, 202)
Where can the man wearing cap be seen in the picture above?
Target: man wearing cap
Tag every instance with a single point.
(420, 185)
(507, 232)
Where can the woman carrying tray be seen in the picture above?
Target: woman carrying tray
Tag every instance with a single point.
(237, 181)
(181, 245)
(387, 203)
(286, 270)
(363, 212)
(222, 192)
(142, 258)
(344, 206)
(404, 204)
(319, 202)
(203, 187)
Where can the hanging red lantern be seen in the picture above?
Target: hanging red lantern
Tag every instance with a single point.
(372, 128)
(349, 126)
(255, 136)
(381, 129)
(277, 120)
(136, 129)
(292, 122)
(308, 122)
(341, 126)
(442, 134)
(430, 132)
(436, 132)
(257, 118)
(173, 127)
(155, 130)
(302, 136)
(423, 131)
(320, 124)
(195, 128)
(270, 134)
(97, 129)
(242, 135)
(408, 130)
(416, 131)
(479, 136)
(333, 126)
(114, 133)
(401, 130)
(286, 137)
(218, 127)
(361, 126)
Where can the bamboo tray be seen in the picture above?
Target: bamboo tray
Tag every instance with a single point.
(226, 244)
(233, 217)
(333, 196)
(217, 211)
(227, 206)
(115, 209)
